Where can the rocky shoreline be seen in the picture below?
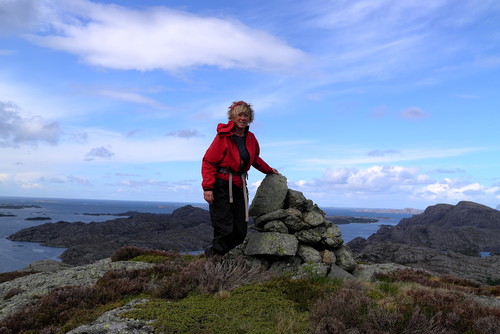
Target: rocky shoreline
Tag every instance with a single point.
(444, 239)
(186, 229)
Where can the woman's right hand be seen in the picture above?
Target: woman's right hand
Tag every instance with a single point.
(208, 195)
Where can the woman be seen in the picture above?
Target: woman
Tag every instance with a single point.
(224, 169)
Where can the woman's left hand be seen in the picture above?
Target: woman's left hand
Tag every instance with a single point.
(275, 171)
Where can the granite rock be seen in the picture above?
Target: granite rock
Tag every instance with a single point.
(270, 195)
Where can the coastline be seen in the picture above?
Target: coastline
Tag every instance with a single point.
(15, 255)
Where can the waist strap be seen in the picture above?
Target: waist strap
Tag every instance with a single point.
(243, 179)
(225, 170)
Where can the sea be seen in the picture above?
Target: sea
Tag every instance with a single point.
(17, 213)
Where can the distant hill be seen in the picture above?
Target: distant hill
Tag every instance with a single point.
(405, 210)
(187, 229)
(467, 227)
(444, 238)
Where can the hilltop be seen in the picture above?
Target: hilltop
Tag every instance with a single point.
(147, 291)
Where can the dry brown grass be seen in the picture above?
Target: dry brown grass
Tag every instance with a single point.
(446, 282)
(209, 276)
(9, 276)
(129, 252)
(65, 304)
(414, 309)
(12, 292)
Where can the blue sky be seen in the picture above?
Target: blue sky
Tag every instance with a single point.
(376, 103)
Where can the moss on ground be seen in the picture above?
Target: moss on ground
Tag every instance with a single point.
(249, 309)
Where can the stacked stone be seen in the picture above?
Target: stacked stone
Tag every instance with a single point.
(292, 231)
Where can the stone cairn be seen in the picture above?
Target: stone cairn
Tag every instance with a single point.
(292, 234)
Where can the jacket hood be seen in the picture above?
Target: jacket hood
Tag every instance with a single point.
(225, 129)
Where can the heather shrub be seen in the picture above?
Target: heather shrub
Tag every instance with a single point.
(455, 311)
(344, 309)
(209, 276)
(180, 284)
(227, 274)
(51, 311)
(150, 258)
(12, 292)
(117, 283)
(128, 253)
(12, 275)
(446, 281)
(224, 295)
(406, 275)
(304, 292)
(64, 304)
(164, 269)
(420, 323)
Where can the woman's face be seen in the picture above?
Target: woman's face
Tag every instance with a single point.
(241, 120)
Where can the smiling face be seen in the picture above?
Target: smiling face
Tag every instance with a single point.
(238, 108)
(241, 120)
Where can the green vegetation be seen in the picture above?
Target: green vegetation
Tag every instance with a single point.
(248, 309)
(196, 295)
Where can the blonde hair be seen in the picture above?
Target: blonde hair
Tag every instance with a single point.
(238, 107)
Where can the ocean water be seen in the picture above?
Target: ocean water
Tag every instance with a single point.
(17, 255)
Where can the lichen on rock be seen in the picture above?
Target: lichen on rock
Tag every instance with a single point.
(293, 232)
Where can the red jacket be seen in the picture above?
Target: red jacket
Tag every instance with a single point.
(223, 152)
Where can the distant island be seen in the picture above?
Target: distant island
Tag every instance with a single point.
(405, 210)
(341, 220)
(128, 213)
(38, 218)
(16, 207)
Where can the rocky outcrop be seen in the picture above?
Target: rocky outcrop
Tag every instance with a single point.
(30, 288)
(112, 323)
(186, 229)
(466, 227)
(479, 269)
(439, 240)
(292, 232)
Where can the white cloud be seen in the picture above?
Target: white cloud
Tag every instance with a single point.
(449, 190)
(184, 133)
(4, 52)
(356, 157)
(99, 152)
(18, 16)
(413, 113)
(372, 179)
(69, 179)
(381, 39)
(112, 36)
(382, 153)
(392, 182)
(130, 96)
(16, 129)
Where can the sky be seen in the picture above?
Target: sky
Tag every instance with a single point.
(359, 103)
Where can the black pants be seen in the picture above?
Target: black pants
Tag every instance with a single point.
(228, 219)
